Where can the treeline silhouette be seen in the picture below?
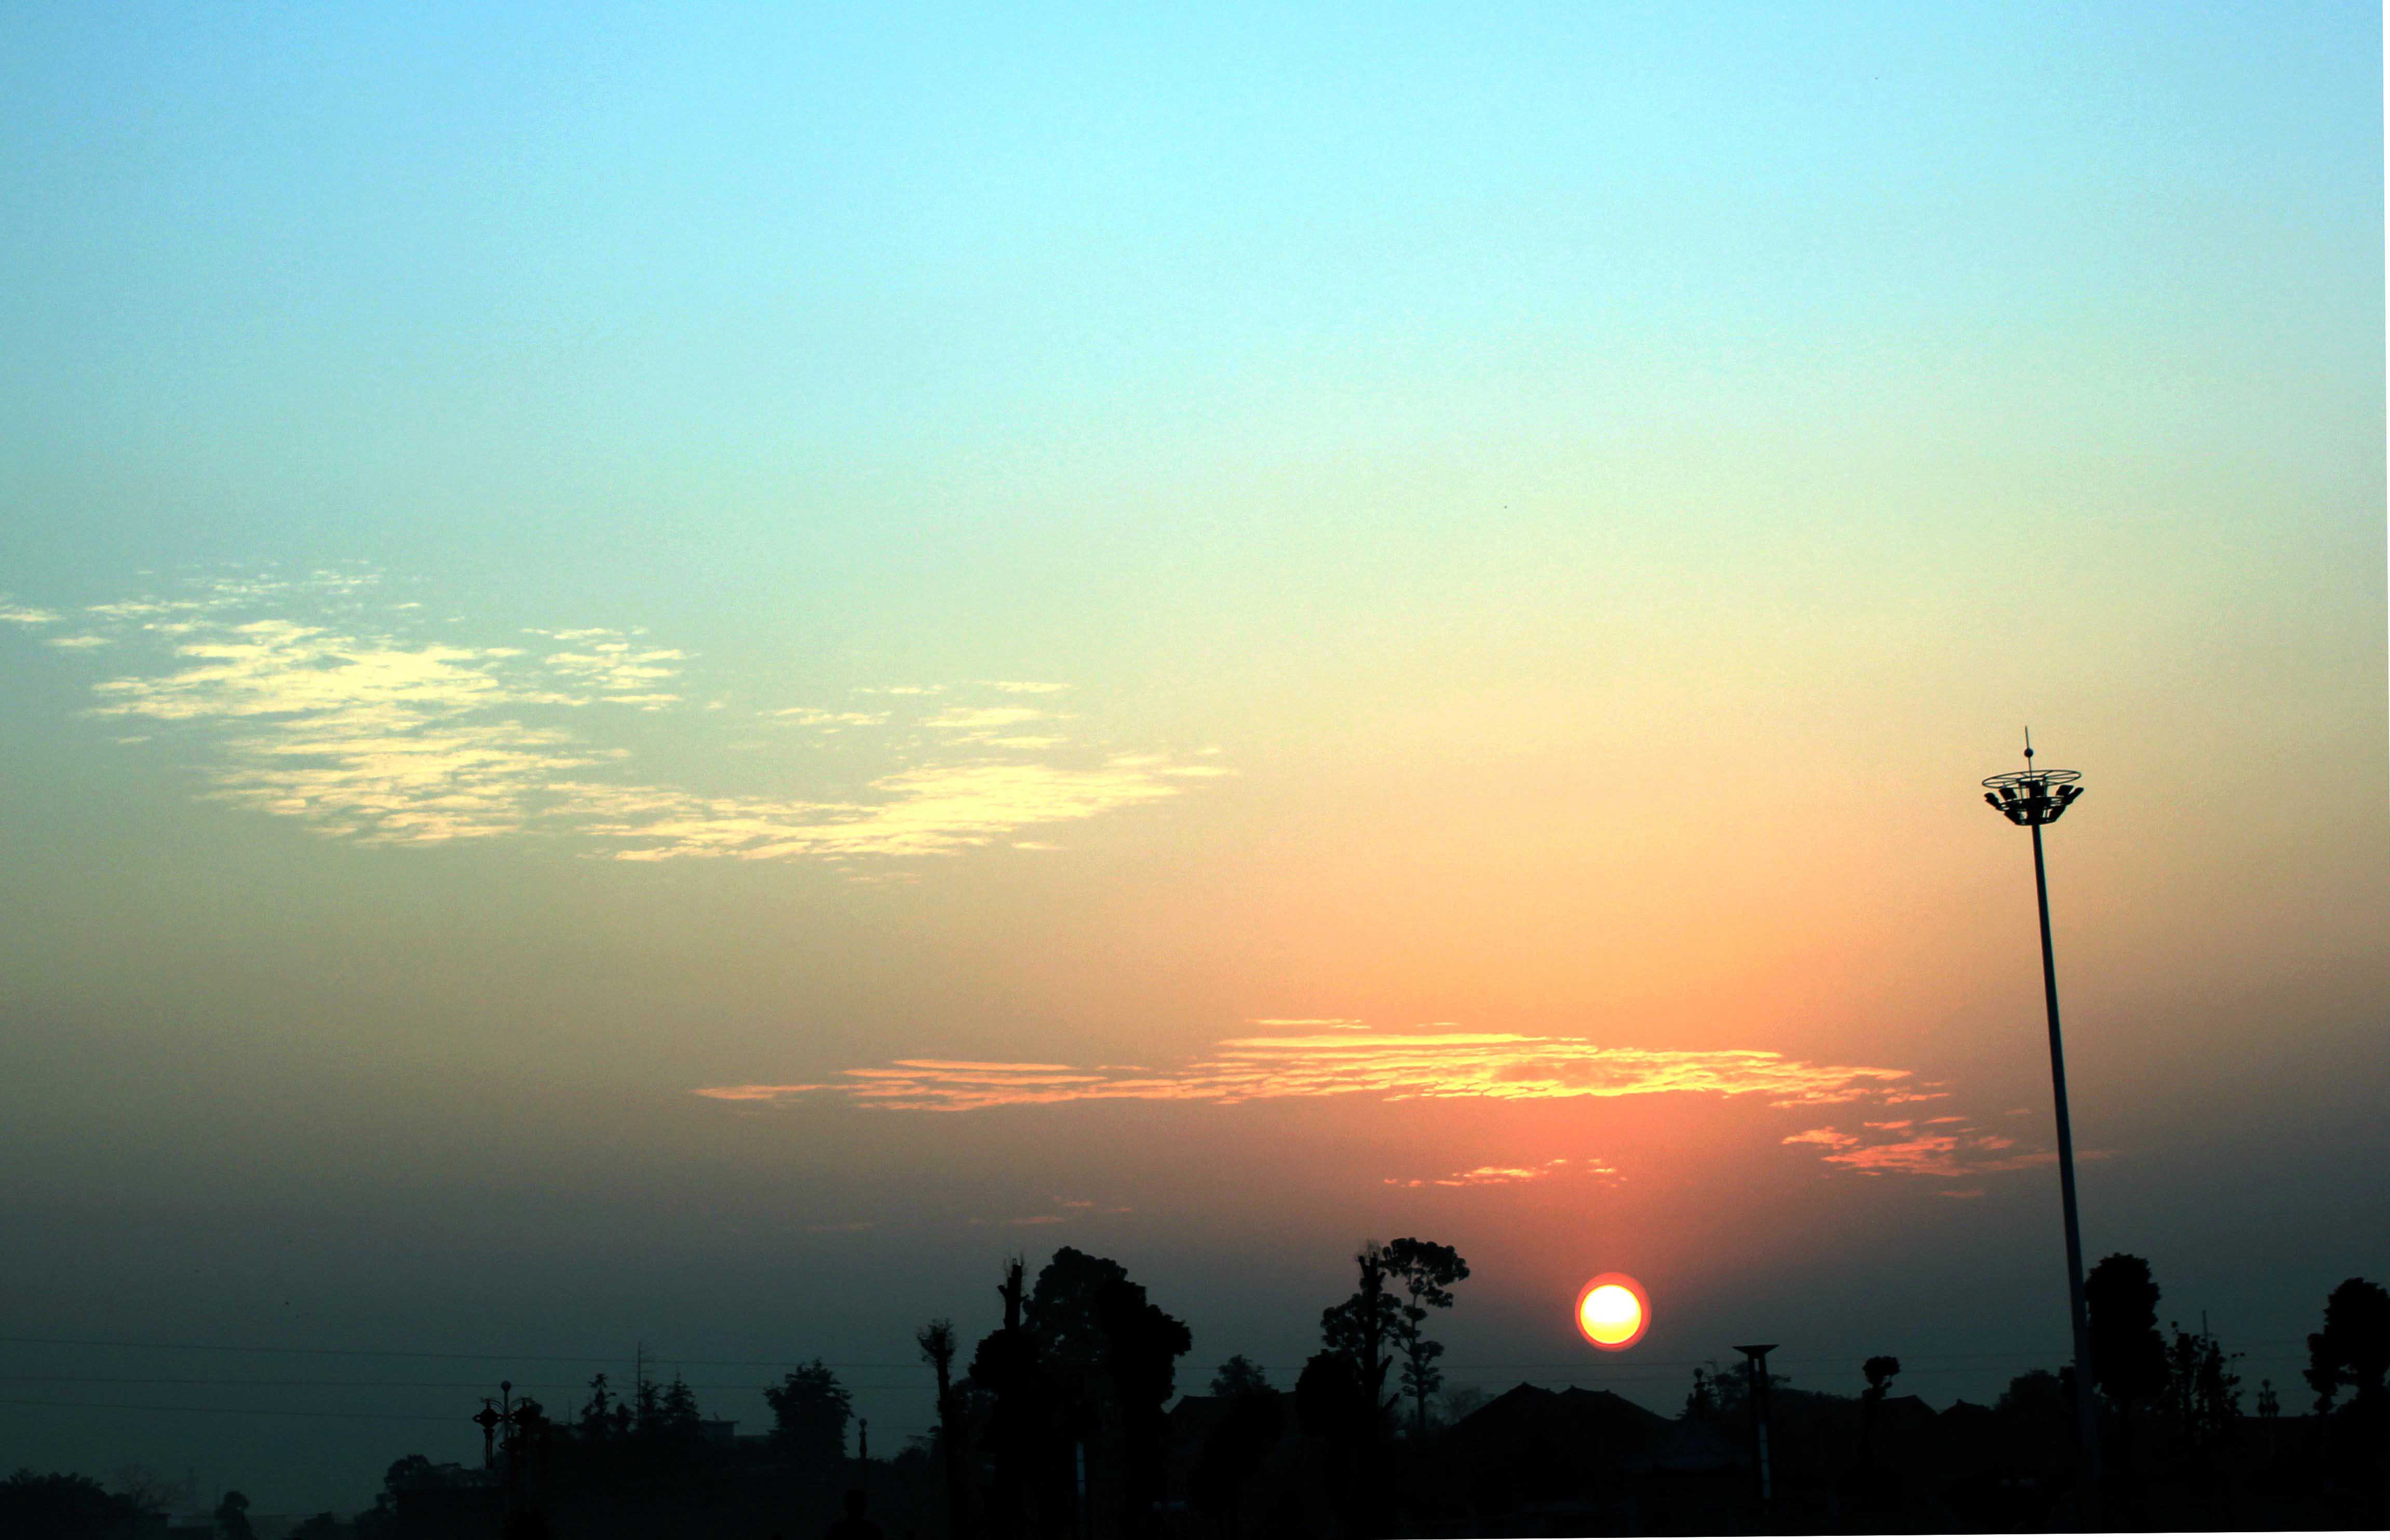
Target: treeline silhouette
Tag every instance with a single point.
(1065, 1423)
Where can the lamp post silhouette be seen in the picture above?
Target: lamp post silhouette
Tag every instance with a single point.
(1755, 1365)
(2030, 798)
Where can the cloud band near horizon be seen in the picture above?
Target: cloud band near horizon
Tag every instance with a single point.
(1391, 1066)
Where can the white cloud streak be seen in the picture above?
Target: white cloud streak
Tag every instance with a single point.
(390, 739)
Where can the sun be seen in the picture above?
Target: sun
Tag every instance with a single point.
(1612, 1312)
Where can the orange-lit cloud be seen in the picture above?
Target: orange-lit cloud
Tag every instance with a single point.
(1391, 1066)
(1897, 1148)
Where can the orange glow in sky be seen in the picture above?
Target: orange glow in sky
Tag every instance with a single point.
(1613, 1311)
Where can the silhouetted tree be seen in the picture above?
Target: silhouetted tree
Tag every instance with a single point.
(149, 1491)
(1062, 1320)
(676, 1413)
(1061, 1311)
(647, 1402)
(232, 1518)
(2352, 1352)
(2353, 1349)
(596, 1420)
(2203, 1395)
(65, 1507)
(1459, 1401)
(938, 1347)
(1879, 1371)
(1702, 1400)
(1338, 1412)
(1360, 1328)
(1239, 1443)
(323, 1526)
(1142, 1345)
(810, 1410)
(2036, 1415)
(1238, 1376)
(1006, 1363)
(1424, 1272)
(2128, 1360)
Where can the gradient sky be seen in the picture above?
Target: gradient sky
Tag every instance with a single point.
(673, 675)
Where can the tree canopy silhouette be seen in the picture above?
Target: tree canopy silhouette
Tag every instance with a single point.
(1238, 1444)
(2128, 1360)
(1238, 1376)
(1424, 1272)
(1879, 1372)
(67, 1507)
(1359, 1329)
(1061, 1311)
(1142, 1345)
(2352, 1351)
(232, 1518)
(810, 1410)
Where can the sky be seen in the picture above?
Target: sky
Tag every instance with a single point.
(675, 676)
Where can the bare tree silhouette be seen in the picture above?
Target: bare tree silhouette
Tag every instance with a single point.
(938, 1347)
(1005, 1364)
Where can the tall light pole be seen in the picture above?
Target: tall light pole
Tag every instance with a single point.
(2033, 798)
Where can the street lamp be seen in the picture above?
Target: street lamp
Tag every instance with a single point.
(2032, 798)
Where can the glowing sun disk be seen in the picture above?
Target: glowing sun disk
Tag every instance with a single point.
(1613, 1311)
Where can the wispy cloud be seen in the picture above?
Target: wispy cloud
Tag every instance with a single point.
(933, 810)
(1389, 1066)
(813, 716)
(615, 670)
(977, 717)
(1505, 1176)
(308, 712)
(19, 614)
(1945, 1147)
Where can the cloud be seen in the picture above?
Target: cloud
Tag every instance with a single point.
(79, 643)
(933, 810)
(808, 716)
(401, 741)
(18, 614)
(1956, 1150)
(987, 725)
(617, 671)
(1390, 1067)
(1503, 1176)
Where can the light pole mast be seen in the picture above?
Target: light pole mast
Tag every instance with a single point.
(2032, 798)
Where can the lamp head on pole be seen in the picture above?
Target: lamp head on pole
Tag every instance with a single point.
(2031, 797)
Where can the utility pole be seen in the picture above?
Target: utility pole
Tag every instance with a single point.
(2032, 798)
(1755, 1365)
